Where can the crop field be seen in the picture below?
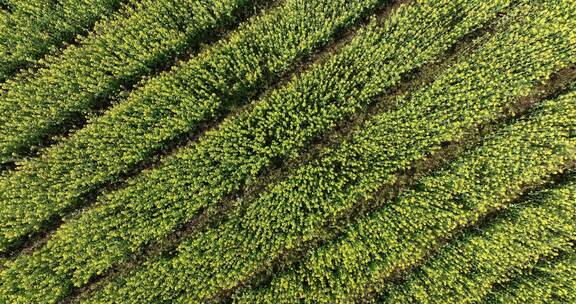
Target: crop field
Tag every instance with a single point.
(287, 151)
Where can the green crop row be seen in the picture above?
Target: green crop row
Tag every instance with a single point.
(293, 210)
(550, 281)
(382, 245)
(116, 53)
(171, 105)
(31, 28)
(224, 160)
(466, 270)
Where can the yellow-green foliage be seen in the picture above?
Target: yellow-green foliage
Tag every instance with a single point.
(224, 160)
(170, 105)
(550, 281)
(118, 52)
(466, 270)
(30, 28)
(348, 221)
(293, 210)
(404, 231)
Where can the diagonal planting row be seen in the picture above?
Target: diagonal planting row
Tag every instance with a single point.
(118, 52)
(224, 160)
(380, 246)
(466, 270)
(31, 28)
(167, 107)
(550, 281)
(295, 210)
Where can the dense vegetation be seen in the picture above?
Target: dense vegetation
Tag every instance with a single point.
(32, 28)
(117, 52)
(164, 108)
(466, 269)
(549, 281)
(323, 151)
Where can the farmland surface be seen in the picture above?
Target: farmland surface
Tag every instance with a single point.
(287, 151)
